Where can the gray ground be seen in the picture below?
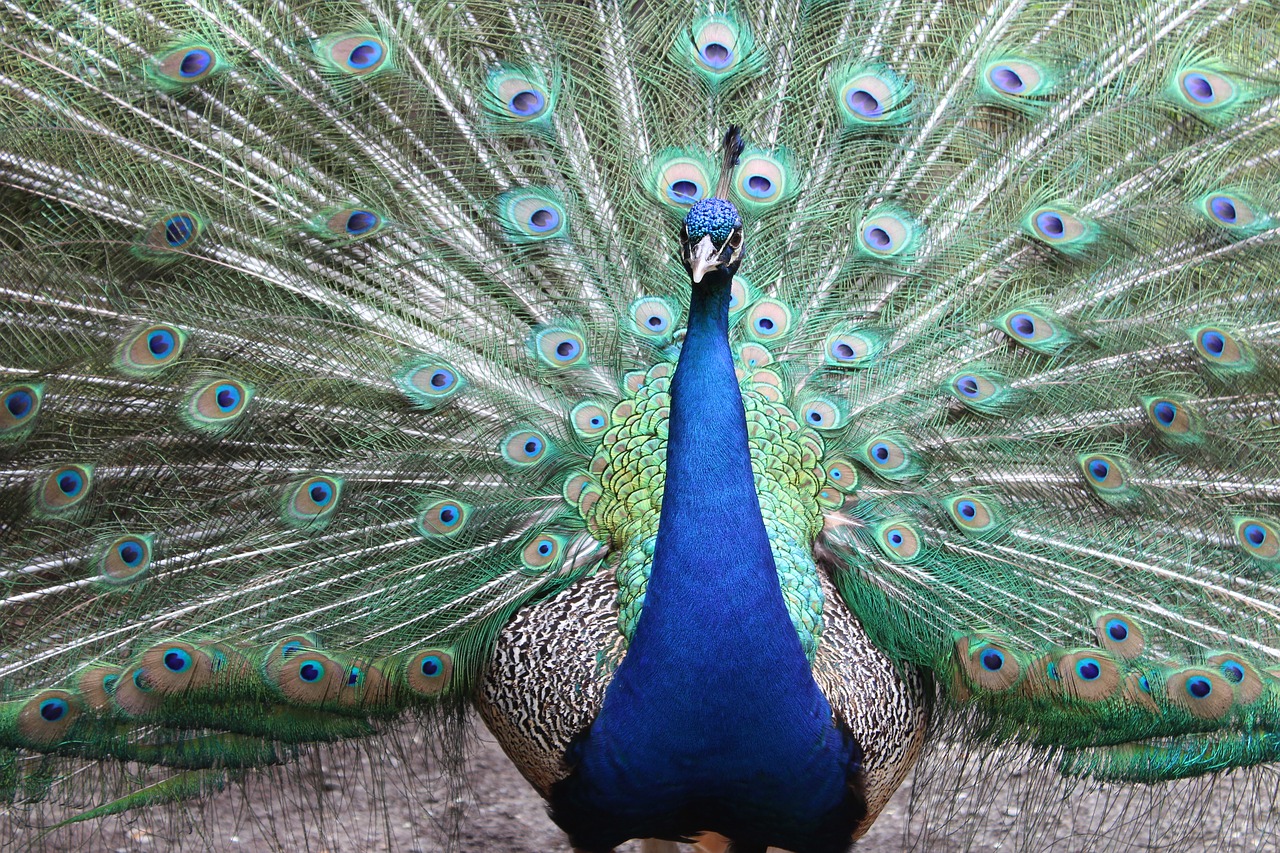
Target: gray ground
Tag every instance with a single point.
(379, 798)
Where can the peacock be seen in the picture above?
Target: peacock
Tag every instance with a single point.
(728, 401)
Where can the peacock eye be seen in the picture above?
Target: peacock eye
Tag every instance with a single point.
(735, 238)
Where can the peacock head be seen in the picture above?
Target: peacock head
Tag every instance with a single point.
(711, 238)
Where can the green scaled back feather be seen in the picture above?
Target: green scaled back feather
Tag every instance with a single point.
(334, 336)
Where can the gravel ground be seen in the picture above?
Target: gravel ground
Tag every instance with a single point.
(338, 805)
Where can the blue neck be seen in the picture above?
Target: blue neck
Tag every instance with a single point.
(713, 718)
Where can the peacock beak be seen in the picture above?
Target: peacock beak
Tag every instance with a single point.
(705, 257)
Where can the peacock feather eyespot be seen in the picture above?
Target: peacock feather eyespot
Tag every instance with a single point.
(1259, 538)
(65, 487)
(653, 317)
(590, 420)
(754, 355)
(1173, 418)
(715, 48)
(525, 447)
(768, 320)
(217, 405)
(870, 95)
(1058, 226)
(519, 98)
(185, 64)
(1119, 634)
(171, 234)
(821, 413)
(353, 54)
(1088, 675)
(681, 178)
(890, 457)
(899, 539)
(973, 515)
(763, 179)
(858, 348)
(887, 233)
(125, 560)
(312, 502)
(532, 215)
(1221, 350)
(428, 672)
(1233, 210)
(1036, 329)
(430, 383)
(151, 348)
(558, 347)
(841, 475)
(988, 662)
(1244, 678)
(46, 718)
(19, 405)
(1204, 693)
(1204, 89)
(1013, 79)
(979, 389)
(442, 517)
(543, 553)
(1107, 474)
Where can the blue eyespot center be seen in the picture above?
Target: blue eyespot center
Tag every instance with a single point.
(968, 386)
(1117, 630)
(1223, 209)
(130, 553)
(878, 238)
(1199, 686)
(1051, 224)
(70, 483)
(527, 102)
(1213, 343)
(364, 55)
(684, 191)
(545, 548)
(896, 538)
(195, 63)
(290, 649)
(1007, 80)
(160, 343)
(1099, 469)
(1233, 671)
(1088, 669)
(597, 422)
(1256, 534)
(1023, 325)
(361, 222)
(533, 446)
(441, 379)
(835, 474)
(758, 186)
(967, 509)
(321, 493)
(1198, 88)
(52, 710)
(1165, 412)
(568, 349)
(1144, 685)
(544, 219)
(19, 403)
(815, 416)
(448, 514)
(176, 660)
(179, 230)
(354, 676)
(431, 666)
(228, 397)
(311, 671)
(863, 103)
(880, 452)
(765, 325)
(992, 660)
(716, 55)
(656, 322)
(842, 351)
